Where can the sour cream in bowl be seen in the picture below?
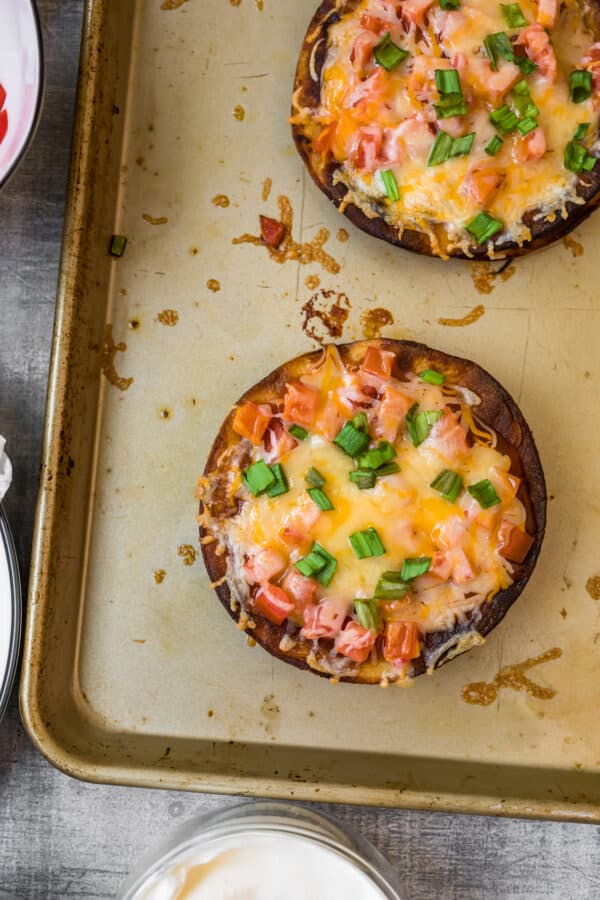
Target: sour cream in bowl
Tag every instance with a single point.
(20, 80)
(264, 851)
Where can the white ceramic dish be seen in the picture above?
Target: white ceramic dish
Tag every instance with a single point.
(21, 78)
(10, 610)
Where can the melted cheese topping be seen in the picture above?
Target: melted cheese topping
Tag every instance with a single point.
(411, 518)
(386, 120)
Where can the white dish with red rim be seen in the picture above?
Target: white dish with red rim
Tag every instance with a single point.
(20, 80)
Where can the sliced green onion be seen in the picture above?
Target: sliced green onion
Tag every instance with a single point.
(525, 126)
(118, 242)
(445, 147)
(362, 478)
(450, 4)
(367, 613)
(281, 485)
(351, 440)
(366, 543)
(377, 456)
(504, 119)
(320, 498)
(390, 184)
(388, 54)
(258, 477)
(451, 105)
(513, 15)
(298, 432)
(577, 159)
(360, 422)
(483, 227)
(521, 88)
(485, 493)
(522, 100)
(498, 46)
(581, 131)
(589, 163)
(526, 65)
(412, 568)
(430, 376)
(391, 586)
(325, 575)
(389, 469)
(314, 478)
(419, 424)
(493, 145)
(311, 564)
(580, 82)
(448, 483)
(447, 81)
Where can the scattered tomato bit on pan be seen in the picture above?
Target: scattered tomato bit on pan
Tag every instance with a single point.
(272, 231)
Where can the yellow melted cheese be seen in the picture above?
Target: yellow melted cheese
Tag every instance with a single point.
(433, 194)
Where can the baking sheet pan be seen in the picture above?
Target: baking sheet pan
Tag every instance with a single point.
(133, 673)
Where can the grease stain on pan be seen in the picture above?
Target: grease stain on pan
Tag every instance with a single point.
(172, 4)
(342, 235)
(221, 200)
(312, 282)
(159, 575)
(107, 360)
(289, 249)
(168, 317)
(373, 320)
(325, 314)
(483, 693)
(187, 553)
(485, 278)
(266, 189)
(239, 113)
(213, 285)
(476, 313)
(592, 586)
(574, 246)
(154, 220)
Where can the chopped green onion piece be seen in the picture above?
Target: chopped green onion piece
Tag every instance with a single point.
(388, 54)
(451, 105)
(311, 564)
(525, 126)
(445, 147)
(581, 131)
(504, 119)
(526, 65)
(362, 478)
(118, 242)
(485, 493)
(367, 614)
(298, 432)
(513, 15)
(589, 163)
(390, 184)
(576, 158)
(521, 88)
(419, 424)
(377, 456)
(522, 100)
(580, 82)
(483, 227)
(360, 422)
(412, 568)
(447, 81)
(325, 575)
(258, 477)
(493, 145)
(320, 498)
(430, 376)
(391, 586)
(351, 440)
(498, 46)
(366, 543)
(389, 469)
(448, 483)
(281, 485)
(450, 4)
(314, 478)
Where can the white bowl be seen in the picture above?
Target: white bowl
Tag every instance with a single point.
(10, 610)
(21, 78)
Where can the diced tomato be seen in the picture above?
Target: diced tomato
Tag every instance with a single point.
(482, 182)
(461, 567)
(440, 566)
(354, 393)
(491, 84)
(365, 151)
(506, 484)
(513, 542)
(392, 148)
(277, 440)
(547, 12)
(264, 565)
(272, 231)
(374, 23)
(368, 91)
(392, 413)
(3, 124)
(355, 642)
(378, 362)
(329, 421)
(300, 403)
(532, 146)
(448, 436)
(591, 61)
(449, 534)
(273, 603)
(417, 136)
(324, 620)
(401, 641)
(362, 50)
(536, 43)
(325, 140)
(414, 10)
(298, 523)
(302, 590)
(250, 421)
